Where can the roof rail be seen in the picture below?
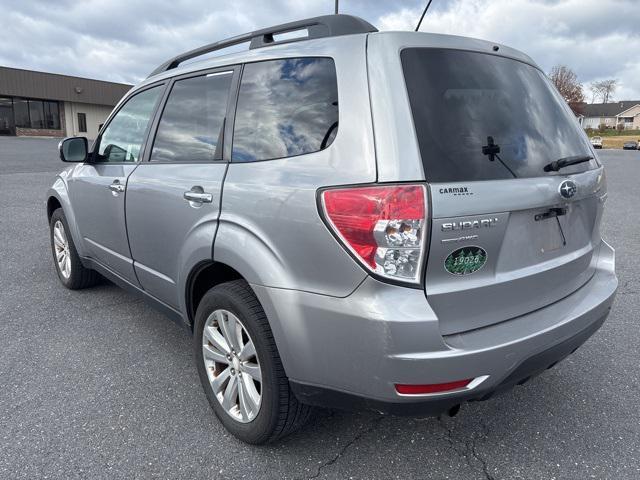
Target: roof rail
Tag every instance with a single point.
(318, 27)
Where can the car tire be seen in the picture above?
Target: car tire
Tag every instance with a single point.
(279, 412)
(71, 272)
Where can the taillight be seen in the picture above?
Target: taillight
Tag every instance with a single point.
(384, 226)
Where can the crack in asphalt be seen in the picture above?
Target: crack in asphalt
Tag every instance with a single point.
(476, 455)
(373, 425)
(467, 448)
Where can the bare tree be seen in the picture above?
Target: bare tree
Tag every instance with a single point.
(603, 89)
(566, 81)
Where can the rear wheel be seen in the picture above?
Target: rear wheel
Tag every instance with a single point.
(240, 368)
(71, 272)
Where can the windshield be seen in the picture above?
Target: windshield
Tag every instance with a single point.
(485, 117)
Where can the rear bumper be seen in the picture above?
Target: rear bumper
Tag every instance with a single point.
(434, 405)
(350, 352)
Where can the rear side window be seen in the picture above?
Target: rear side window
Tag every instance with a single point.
(459, 99)
(192, 122)
(285, 108)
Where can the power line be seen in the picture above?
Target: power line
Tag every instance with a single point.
(423, 13)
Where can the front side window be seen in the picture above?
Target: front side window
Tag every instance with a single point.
(466, 105)
(285, 108)
(123, 138)
(191, 126)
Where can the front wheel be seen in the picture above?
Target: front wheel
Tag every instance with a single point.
(71, 272)
(240, 368)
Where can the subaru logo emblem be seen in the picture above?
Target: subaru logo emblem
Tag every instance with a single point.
(568, 189)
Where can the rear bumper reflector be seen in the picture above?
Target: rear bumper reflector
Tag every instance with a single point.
(440, 388)
(405, 389)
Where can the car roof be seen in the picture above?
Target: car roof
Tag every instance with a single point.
(313, 47)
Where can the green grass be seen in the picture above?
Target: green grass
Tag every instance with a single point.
(613, 133)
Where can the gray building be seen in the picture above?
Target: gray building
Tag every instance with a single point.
(47, 104)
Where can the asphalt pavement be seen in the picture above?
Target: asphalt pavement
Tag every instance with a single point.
(96, 384)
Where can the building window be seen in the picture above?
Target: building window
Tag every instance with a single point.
(36, 113)
(51, 115)
(82, 122)
(6, 116)
(21, 112)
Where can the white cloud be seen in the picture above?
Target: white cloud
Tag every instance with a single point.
(596, 39)
(123, 40)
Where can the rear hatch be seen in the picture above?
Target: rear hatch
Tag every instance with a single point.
(507, 237)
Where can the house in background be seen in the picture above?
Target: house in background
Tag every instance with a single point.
(626, 112)
(47, 104)
(630, 117)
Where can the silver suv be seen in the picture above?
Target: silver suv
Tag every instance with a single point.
(400, 222)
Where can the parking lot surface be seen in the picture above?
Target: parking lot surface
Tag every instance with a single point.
(96, 384)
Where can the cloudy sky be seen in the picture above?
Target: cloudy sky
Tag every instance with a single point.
(123, 40)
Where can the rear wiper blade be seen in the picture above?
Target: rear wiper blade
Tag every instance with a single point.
(492, 149)
(566, 161)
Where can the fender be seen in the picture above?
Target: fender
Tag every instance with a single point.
(195, 250)
(246, 251)
(59, 191)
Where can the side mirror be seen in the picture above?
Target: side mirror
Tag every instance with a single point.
(74, 149)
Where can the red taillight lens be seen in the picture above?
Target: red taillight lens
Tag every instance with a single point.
(432, 388)
(383, 225)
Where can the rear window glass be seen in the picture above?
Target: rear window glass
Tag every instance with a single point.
(459, 99)
(285, 108)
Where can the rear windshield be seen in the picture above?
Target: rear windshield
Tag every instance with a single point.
(459, 99)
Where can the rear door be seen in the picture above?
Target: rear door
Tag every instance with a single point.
(97, 188)
(173, 199)
(507, 237)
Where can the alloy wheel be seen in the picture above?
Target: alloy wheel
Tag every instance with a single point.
(232, 365)
(61, 249)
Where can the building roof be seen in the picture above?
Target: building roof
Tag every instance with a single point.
(631, 107)
(607, 109)
(16, 82)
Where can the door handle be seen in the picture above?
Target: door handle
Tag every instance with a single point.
(551, 213)
(198, 195)
(116, 187)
